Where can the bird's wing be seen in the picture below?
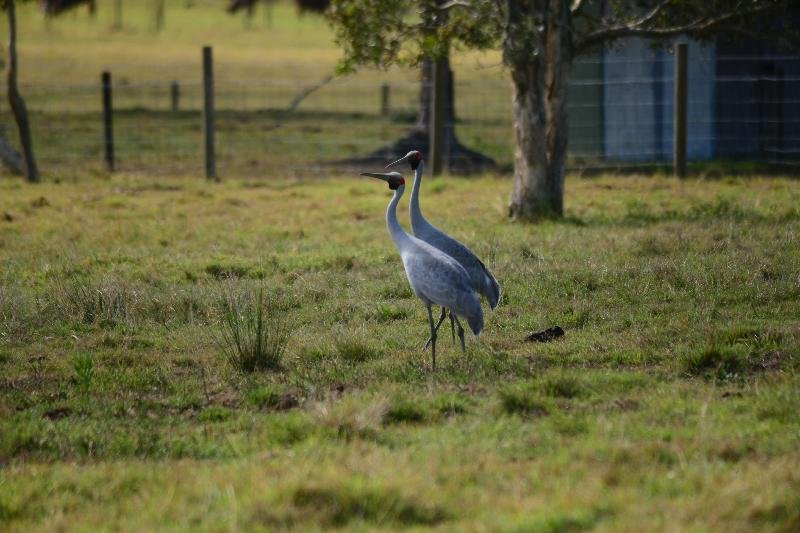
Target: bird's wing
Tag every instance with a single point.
(437, 278)
(481, 278)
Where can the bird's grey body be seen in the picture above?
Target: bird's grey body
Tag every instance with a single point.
(435, 277)
(481, 279)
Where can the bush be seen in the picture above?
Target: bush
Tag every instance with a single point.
(254, 331)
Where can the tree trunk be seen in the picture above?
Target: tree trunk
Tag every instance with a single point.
(458, 159)
(15, 98)
(11, 158)
(539, 107)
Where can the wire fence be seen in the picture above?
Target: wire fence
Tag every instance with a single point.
(620, 115)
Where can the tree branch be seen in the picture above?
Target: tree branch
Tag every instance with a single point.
(640, 28)
(652, 14)
(453, 3)
(576, 6)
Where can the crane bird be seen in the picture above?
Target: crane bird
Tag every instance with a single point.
(482, 281)
(435, 277)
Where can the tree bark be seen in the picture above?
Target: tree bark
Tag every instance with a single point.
(15, 98)
(11, 158)
(539, 83)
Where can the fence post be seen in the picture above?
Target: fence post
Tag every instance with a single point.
(108, 125)
(175, 95)
(436, 130)
(681, 101)
(208, 112)
(117, 15)
(385, 99)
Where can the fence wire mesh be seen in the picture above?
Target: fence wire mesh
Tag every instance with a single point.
(620, 114)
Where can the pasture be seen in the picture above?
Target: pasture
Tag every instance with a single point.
(671, 401)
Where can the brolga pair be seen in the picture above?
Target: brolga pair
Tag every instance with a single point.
(441, 270)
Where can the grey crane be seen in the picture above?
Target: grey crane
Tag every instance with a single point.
(435, 277)
(482, 281)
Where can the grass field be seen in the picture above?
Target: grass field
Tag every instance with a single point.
(670, 403)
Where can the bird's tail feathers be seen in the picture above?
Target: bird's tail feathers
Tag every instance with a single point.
(476, 323)
(492, 290)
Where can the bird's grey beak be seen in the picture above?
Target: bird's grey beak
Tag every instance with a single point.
(380, 175)
(393, 163)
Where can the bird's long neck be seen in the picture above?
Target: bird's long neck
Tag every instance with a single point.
(399, 236)
(413, 207)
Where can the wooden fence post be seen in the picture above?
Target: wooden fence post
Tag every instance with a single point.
(175, 95)
(117, 15)
(436, 129)
(108, 123)
(681, 110)
(385, 99)
(208, 112)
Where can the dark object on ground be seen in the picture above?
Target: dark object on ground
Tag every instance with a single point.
(7, 217)
(460, 159)
(546, 335)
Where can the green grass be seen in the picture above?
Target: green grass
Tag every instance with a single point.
(671, 401)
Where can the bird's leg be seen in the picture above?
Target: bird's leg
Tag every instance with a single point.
(441, 319)
(433, 337)
(452, 328)
(460, 334)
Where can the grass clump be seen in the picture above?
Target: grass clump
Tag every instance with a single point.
(722, 362)
(738, 352)
(272, 397)
(524, 399)
(255, 330)
(356, 350)
(564, 386)
(340, 505)
(354, 416)
(215, 413)
(450, 404)
(83, 366)
(388, 313)
(403, 410)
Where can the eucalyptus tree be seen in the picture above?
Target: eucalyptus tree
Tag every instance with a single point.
(15, 100)
(539, 41)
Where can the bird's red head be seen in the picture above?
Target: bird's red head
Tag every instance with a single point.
(395, 182)
(414, 158)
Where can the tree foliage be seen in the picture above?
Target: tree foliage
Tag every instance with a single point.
(384, 32)
(381, 33)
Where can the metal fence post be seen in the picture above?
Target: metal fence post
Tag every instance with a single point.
(208, 112)
(385, 99)
(175, 95)
(681, 101)
(108, 125)
(436, 130)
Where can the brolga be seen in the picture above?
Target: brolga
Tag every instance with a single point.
(482, 281)
(435, 277)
